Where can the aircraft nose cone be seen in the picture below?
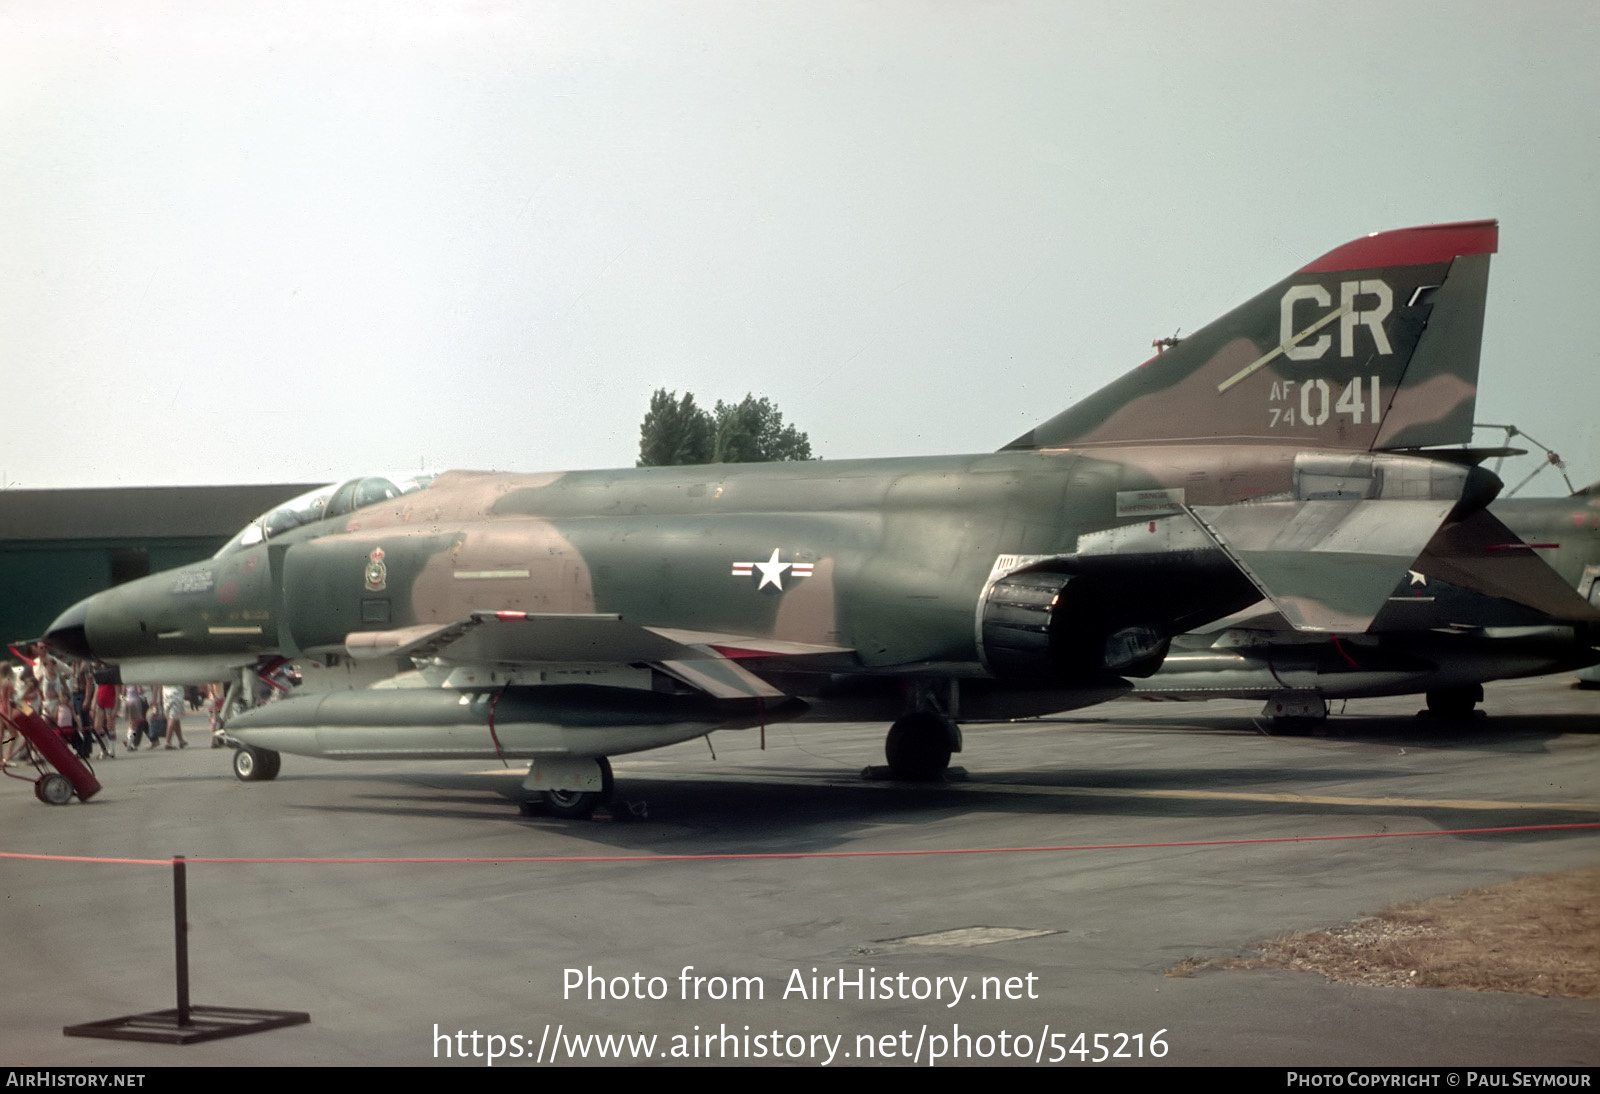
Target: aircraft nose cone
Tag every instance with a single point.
(68, 634)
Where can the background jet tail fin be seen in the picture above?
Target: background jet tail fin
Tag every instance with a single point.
(1480, 557)
(1372, 346)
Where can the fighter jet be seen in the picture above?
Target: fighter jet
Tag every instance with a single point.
(1289, 451)
(1444, 634)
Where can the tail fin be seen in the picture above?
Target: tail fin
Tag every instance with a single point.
(1372, 346)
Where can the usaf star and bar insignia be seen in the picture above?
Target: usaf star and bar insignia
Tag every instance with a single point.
(772, 571)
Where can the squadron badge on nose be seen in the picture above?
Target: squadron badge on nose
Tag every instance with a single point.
(377, 572)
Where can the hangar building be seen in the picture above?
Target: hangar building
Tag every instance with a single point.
(59, 546)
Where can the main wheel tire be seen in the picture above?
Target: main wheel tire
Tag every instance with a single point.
(1291, 726)
(1456, 704)
(570, 804)
(54, 788)
(579, 804)
(254, 765)
(919, 745)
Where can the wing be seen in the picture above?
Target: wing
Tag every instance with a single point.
(706, 662)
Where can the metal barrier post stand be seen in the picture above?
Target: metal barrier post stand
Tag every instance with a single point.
(186, 1024)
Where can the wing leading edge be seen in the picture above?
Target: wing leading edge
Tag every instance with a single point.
(513, 639)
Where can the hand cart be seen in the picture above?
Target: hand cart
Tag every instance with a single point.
(70, 775)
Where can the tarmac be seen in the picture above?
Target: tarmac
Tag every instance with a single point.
(772, 906)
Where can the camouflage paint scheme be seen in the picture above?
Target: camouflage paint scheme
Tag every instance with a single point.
(1275, 453)
(1440, 637)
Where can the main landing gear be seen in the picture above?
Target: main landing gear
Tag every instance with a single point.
(919, 746)
(1455, 704)
(571, 804)
(1294, 714)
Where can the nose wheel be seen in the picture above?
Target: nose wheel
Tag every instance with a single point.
(254, 765)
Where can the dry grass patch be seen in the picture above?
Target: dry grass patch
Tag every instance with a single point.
(1538, 936)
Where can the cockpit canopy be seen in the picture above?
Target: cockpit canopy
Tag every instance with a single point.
(334, 500)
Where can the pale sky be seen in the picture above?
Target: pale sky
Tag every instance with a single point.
(283, 242)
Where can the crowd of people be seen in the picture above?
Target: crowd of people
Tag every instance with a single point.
(86, 707)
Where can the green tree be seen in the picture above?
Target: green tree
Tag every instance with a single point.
(675, 431)
(752, 431)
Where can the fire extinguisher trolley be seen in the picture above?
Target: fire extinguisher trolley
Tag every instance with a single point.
(60, 773)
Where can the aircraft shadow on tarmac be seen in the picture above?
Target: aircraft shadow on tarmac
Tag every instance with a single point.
(806, 809)
(1501, 732)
